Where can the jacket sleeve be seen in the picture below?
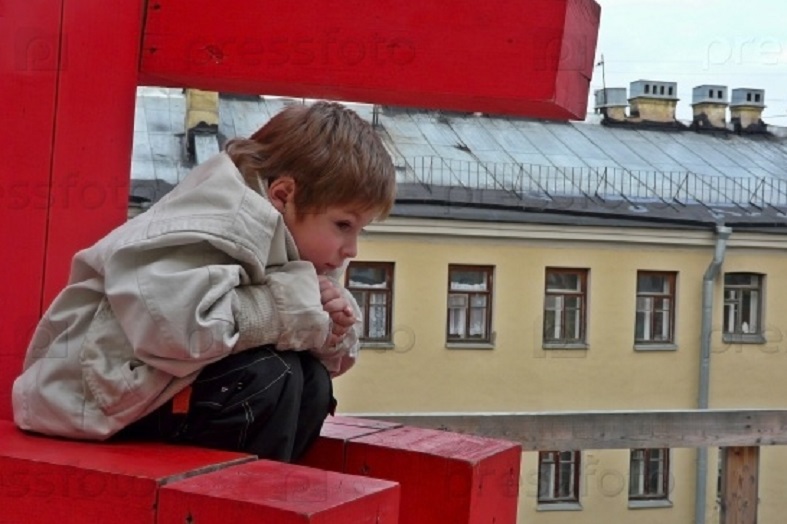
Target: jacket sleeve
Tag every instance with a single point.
(342, 356)
(183, 307)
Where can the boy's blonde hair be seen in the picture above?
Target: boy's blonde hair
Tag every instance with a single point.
(334, 156)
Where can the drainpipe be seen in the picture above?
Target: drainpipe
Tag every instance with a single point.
(722, 234)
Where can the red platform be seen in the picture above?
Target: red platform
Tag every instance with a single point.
(67, 482)
(445, 477)
(266, 491)
(378, 472)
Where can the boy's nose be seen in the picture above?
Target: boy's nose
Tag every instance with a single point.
(350, 248)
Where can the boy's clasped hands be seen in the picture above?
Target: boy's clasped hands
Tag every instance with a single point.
(338, 308)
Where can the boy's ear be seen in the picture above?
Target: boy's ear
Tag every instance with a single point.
(281, 191)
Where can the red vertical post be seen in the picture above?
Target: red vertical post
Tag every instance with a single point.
(68, 88)
(29, 65)
(94, 129)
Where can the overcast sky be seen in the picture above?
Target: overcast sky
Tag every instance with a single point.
(737, 43)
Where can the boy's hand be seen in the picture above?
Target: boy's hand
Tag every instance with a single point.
(337, 307)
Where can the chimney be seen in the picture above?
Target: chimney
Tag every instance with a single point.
(709, 103)
(653, 101)
(746, 110)
(612, 103)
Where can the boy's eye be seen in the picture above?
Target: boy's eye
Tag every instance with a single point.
(343, 225)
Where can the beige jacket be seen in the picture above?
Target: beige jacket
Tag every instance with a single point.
(209, 270)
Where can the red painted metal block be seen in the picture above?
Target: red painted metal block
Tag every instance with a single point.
(522, 57)
(273, 492)
(94, 128)
(48, 480)
(30, 40)
(329, 451)
(445, 477)
(367, 423)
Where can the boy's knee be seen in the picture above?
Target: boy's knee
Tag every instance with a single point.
(317, 385)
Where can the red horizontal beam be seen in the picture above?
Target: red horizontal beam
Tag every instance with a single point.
(524, 57)
(68, 482)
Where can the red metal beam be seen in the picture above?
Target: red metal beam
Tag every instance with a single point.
(29, 63)
(69, 88)
(524, 57)
(69, 78)
(94, 129)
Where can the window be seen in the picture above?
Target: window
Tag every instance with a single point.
(371, 284)
(655, 308)
(469, 303)
(564, 306)
(743, 306)
(649, 475)
(558, 476)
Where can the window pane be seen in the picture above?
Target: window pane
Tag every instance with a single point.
(563, 281)
(573, 302)
(551, 325)
(457, 323)
(468, 281)
(553, 302)
(749, 313)
(478, 322)
(546, 477)
(557, 476)
(652, 284)
(661, 326)
(636, 475)
(742, 295)
(644, 303)
(642, 327)
(360, 298)
(457, 301)
(378, 318)
(730, 313)
(566, 479)
(370, 284)
(573, 327)
(656, 473)
(741, 279)
(367, 277)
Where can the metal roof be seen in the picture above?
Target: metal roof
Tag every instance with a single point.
(520, 158)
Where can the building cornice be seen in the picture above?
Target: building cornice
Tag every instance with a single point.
(423, 227)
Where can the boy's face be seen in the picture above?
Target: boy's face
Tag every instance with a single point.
(327, 238)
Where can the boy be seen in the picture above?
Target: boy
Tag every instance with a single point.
(215, 318)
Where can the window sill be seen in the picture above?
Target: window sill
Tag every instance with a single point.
(564, 345)
(754, 338)
(378, 345)
(655, 347)
(559, 506)
(645, 504)
(469, 345)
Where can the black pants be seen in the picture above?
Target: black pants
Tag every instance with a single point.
(260, 401)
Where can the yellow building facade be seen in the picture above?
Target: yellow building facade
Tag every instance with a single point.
(422, 370)
(561, 270)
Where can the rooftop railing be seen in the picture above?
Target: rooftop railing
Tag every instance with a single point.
(676, 187)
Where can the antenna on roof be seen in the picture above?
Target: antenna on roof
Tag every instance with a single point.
(603, 77)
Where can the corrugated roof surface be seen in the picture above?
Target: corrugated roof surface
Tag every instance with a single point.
(525, 158)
